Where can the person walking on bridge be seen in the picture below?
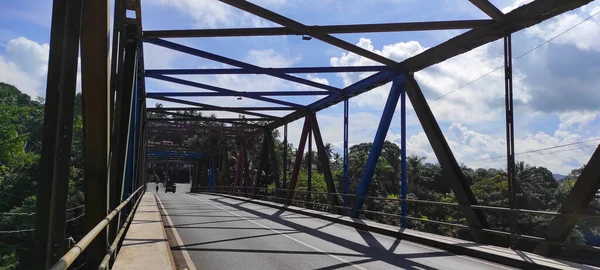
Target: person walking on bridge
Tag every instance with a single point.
(156, 188)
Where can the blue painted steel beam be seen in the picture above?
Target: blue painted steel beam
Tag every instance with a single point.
(223, 90)
(346, 183)
(220, 94)
(240, 64)
(292, 70)
(355, 89)
(403, 182)
(208, 106)
(384, 125)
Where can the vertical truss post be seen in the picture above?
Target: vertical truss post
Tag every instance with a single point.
(346, 181)
(475, 218)
(403, 182)
(577, 201)
(53, 177)
(510, 137)
(382, 129)
(120, 134)
(298, 161)
(309, 167)
(284, 163)
(262, 160)
(130, 155)
(334, 200)
(274, 170)
(239, 168)
(246, 167)
(96, 120)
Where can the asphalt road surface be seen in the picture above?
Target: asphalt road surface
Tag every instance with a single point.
(213, 232)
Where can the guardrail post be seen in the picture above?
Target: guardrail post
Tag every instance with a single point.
(53, 174)
(475, 217)
(384, 125)
(95, 89)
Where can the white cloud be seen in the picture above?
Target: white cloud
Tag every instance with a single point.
(515, 5)
(581, 119)
(25, 65)
(269, 58)
(584, 36)
(317, 79)
(213, 13)
(479, 150)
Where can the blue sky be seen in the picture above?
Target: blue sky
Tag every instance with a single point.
(556, 85)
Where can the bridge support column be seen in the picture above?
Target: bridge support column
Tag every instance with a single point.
(53, 176)
(452, 170)
(334, 200)
(284, 163)
(578, 200)
(309, 166)
(95, 89)
(403, 182)
(346, 181)
(384, 125)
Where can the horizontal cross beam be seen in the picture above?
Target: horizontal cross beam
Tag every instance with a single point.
(251, 93)
(186, 109)
(222, 90)
(196, 119)
(212, 107)
(240, 64)
(329, 29)
(516, 20)
(221, 71)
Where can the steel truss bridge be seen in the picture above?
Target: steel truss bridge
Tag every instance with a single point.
(117, 121)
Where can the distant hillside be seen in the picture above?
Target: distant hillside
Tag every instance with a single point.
(558, 177)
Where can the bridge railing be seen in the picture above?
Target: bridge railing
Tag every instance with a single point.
(80, 247)
(278, 196)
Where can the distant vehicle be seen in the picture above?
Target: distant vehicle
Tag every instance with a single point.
(170, 186)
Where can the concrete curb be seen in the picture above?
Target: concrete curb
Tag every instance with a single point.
(504, 256)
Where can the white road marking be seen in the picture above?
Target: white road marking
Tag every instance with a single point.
(285, 235)
(186, 255)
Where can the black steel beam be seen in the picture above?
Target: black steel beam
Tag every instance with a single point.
(190, 119)
(212, 107)
(516, 20)
(578, 200)
(121, 121)
(328, 29)
(316, 33)
(334, 200)
(192, 109)
(223, 90)
(240, 64)
(215, 119)
(55, 160)
(475, 217)
(292, 70)
(96, 120)
(489, 9)
(222, 94)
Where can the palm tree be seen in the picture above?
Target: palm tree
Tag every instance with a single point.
(414, 168)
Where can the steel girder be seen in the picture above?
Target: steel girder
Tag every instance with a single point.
(213, 107)
(375, 152)
(298, 161)
(53, 177)
(95, 89)
(225, 60)
(328, 29)
(577, 201)
(252, 93)
(217, 71)
(475, 217)
(334, 200)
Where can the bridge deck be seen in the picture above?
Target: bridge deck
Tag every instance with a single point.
(214, 232)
